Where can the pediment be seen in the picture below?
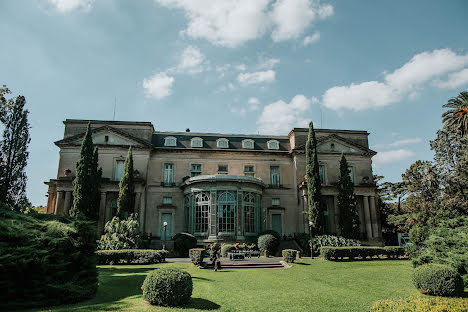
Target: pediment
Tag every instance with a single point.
(336, 144)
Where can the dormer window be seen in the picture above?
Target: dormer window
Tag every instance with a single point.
(273, 144)
(222, 143)
(196, 142)
(248, 144)
(170, 141)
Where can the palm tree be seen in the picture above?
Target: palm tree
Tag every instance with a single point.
(457, 116)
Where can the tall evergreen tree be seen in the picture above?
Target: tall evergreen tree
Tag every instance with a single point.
(314, 195)
(13, 150)
(86, 194)
(126, 188)
(349, 219)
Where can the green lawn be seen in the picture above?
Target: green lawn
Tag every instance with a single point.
(314, 285)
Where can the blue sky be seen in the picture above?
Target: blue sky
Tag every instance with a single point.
(244, 66)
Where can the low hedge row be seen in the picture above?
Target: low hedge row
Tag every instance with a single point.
(421, 304)
(438, 280)
(137, 256)
(363, 252)
(197, 255)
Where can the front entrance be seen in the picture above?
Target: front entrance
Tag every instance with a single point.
(166, 217)
(276, 223)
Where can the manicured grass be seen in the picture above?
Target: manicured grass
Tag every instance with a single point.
(314, 285)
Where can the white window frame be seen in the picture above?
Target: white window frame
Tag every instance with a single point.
(249, 173)
(278, 174)
(324, 174)
(222, 140)
(166, 181)
(248, 141)
(197, 173)
(196, 139)
(168, 139)
(272, 142)
(117, 161)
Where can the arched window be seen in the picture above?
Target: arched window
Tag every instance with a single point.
(273, 144)
(196, 142)
(170, 141)
(202, 210)
(222, 143)
(249, 212)
(226, 212)
(248, 144)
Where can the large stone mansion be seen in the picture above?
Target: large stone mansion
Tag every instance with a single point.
(218, 186)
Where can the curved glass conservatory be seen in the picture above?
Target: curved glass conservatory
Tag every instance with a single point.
(223, 206)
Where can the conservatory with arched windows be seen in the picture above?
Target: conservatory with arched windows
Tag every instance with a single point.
(223, 206)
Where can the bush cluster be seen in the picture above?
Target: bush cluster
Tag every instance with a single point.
(121, 234)
(420, 304)
(45, 260)
(268, 243)
(438, 280)
(363, 252)
(226, 248)
(197, 255)
(183, 242)
(137, 256)
(271, 232)
(168, 287)
(289, 255)
(333, 241)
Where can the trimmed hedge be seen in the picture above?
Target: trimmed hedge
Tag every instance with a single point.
(438, 280)
(137, 256)
(339, 253)
(183, 242)
(168, 287)
(289, 255)
(197, 255)
(421, 304)
(268, 243)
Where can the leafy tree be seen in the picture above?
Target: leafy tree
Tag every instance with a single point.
(87, 182)
(126, 188)
(314, 195)
(349, 218)
(457, 117)
(14, 150)
(121, 234)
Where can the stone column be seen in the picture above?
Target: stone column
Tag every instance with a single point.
(142, 211)
(337, 214)
(367, 215)
(136, 207)
(59, 202)
(66, 205)
(375, 222)
(102, 213)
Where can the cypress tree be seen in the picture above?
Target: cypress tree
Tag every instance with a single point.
(349, 219)
(314, 196)
(86, 195)
(126, 188)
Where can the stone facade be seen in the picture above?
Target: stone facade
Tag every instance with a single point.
(218, 186)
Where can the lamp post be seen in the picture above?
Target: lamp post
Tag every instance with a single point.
(165, 229)
(311, 237)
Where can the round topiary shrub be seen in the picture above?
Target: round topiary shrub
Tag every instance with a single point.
(272, 232)
(168, 287)
(268, 243)
(183, 242)
(438, 280)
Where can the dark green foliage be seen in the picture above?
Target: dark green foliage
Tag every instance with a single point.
(45, 259)
(272, 232)
(456, 119)
(86, 194)
(226, 248)
(126, 198)
(362, 252)
(438, 280)
(135, 256)
(268, 243)
(314, 195)
(168, 287)
(349, 219)
(197, 255)
(289, 255)
(421, 304)
(183, 242)
(13, 150)
(333, 241)
(121, 234)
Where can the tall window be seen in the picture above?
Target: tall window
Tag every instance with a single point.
(222, 143)
(275, 176)
(351, 173)
(119, 169)
(196, 170)
(226, 212)
(322, 174)
(168, 174)
(202, 209)
(249, 171)
(170, 141)
(249, 213)
(196, 142)
(222, 169)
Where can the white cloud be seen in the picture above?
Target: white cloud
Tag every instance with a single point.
(404, 81)
(280, 117)
(159, 85)
(254, 103)
(65, 6)
(399, 143)
(312, 39)
(241, 67)
(256, 77)
(230, 23)
(191, 61)
(391, 156)
(268, 63)
(454, 80)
